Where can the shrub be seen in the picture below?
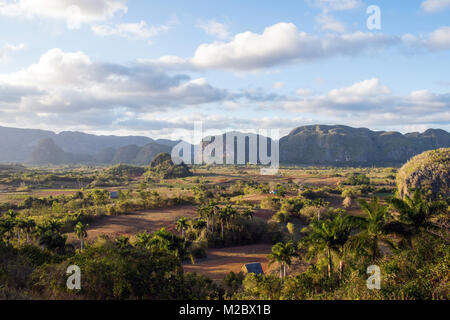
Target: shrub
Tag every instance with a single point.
(271, 203)
(357, 179)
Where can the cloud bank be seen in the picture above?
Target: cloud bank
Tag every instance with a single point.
(279, 44)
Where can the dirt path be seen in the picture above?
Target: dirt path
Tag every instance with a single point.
(132, 223)
(220, 262)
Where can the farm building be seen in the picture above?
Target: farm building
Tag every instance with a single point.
(113, 194)
(255, 268)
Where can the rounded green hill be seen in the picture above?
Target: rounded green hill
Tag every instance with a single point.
(428, 171)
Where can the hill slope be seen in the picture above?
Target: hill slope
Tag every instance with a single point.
(428, 171)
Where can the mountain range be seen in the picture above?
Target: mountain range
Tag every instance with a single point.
(314, 144)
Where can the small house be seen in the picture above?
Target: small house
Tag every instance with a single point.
(113, 195)
(274, 192)
(255, 268)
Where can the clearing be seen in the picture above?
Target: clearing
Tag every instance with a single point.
(222, 261)
(136, 222)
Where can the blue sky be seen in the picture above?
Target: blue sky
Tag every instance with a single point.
(152, 67)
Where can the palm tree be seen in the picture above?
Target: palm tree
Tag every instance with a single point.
(52, 225)
(182, 225)
(30, 226)
(8, 224)
(248, 213)
(167, 240)
(11, 215)
(416, 214)
(319, 203)
(7, 227)
(202, 213)
(225, 215)
(123, 243)
(330, 236)
(52, 240)
(212, 210)
(207, 212)
(375, 227)
(198, 225)
(143, 239)
(80, 231)
(282, 253)
(20, 226)
(222, 216)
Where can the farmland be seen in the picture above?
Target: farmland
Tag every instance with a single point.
(216, 219)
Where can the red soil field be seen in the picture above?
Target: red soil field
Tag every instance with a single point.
(222, 261)
(136, 222)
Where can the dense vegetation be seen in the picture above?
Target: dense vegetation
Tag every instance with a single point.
(324, 236)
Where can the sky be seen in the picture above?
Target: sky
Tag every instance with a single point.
(154, 68)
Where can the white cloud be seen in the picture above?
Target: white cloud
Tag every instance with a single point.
(304, 92)
(329, 23)
(435, 5)
(89, 10)
(440, 39)
(359, 92)
(437, 40)
(129, 30)
(69, 83)
(370, 103)
(9, 48)
(279, 44)
(335, 5)
(278, 85)
(361, 95)
(214, 28)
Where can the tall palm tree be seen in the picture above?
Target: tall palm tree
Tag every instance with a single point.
(330, 235)
(181, 225)
(415, 214)
(212, 210)
(282, 254)
(30, 226)
(9, 223)
(20, 226)
(375, 227)
(208, 212)
(222, 216)
(225, 215)
(80, 231)
(203, 214)
(198, 225)
(7, 227)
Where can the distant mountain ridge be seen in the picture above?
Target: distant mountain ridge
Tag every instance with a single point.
(47, 152)
(322, 144)
(17, 145)
(314, 144)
